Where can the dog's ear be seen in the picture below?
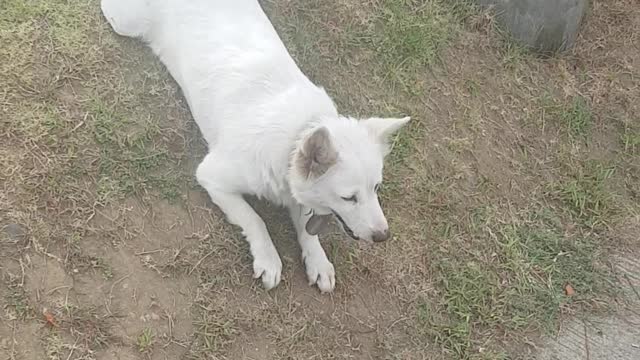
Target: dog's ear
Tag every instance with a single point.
(383, 129)
(316, 155)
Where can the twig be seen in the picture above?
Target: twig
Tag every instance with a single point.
(586, 341)
(149, 252)
(58, 288)
(200, 261)
(626, 276)
(108, 304)
(72, 349)
(23, 273)
(400, 319)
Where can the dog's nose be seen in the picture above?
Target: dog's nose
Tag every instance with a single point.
(380, 236)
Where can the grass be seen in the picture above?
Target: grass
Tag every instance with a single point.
(214, 331)
(18, 303)
(130, 162)
(54, 346)
(145, 341)
(98, 151)
(513, 54)
(412, 34)
(574, 114)
(587, 196)
(630, 139)
(88, 324)
(516, 283)
(577, 117)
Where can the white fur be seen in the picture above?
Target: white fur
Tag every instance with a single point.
(255, 109)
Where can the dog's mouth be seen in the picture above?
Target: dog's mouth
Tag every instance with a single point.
(345, 227)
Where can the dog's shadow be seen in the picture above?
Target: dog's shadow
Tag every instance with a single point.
(278, 223)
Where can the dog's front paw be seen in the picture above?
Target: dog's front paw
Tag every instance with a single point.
(320, 271)
(268, 266)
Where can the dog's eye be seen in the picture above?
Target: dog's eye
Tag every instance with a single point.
(351, 198)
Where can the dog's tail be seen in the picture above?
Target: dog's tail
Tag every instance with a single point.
(130, 18)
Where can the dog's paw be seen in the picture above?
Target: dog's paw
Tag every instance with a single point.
(268, 266)
(320, 272)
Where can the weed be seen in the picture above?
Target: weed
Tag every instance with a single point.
(513, 53)
(472, 87)
(587, 196)
(577, 117)
(89, 324)
(54, 346)
(145, 340)
(631, 141)
(17, 300)
(214, 333)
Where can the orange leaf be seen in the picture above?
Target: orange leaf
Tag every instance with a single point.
(568, 289)
(49, 318)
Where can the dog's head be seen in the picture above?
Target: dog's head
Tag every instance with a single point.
(336, 169)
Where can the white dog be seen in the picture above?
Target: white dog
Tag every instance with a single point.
(271, 132)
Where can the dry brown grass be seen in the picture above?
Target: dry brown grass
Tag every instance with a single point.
(516, 177)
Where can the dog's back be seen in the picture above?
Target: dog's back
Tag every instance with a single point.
(227, 58)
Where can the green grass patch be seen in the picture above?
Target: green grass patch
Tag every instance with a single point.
(513, 53)
(630, 139)
(577, 116)
(130, 158)
(408, 37)
(18, 304)
(145, 340)
(395, 40)
(411, 34)
(574, 116)
(51, 53)
(587, 196)
(516, 283)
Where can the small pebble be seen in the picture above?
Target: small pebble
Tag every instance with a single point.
(15, 232)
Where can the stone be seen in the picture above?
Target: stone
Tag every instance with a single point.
(545, 26)
(15, 232)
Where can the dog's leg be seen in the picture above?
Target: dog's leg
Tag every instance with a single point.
(320, 270)
(130, 18)
(266, 261)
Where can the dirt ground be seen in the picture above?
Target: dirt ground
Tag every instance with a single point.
(509, 196)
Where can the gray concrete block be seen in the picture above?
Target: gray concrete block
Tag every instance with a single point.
(546, 26)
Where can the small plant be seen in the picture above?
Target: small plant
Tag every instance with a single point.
(577, 117)
(145, 340)
(631, 141)
(214, 331)
(587, 196)
(513, 53)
